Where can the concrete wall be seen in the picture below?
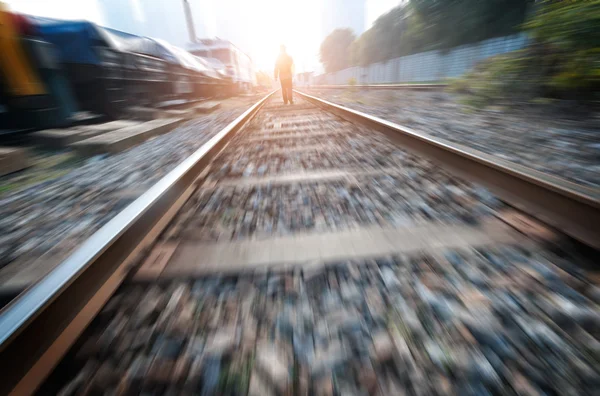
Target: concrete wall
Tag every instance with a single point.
(426, 66)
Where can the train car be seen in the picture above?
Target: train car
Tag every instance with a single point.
(20, 77)
(238, 65)
(95, 70)
(55, 69)
(33, 94)
(110, 70)
(185, 77)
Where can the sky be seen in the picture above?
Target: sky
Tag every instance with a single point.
(255, 26)
(258, 28)
(376, 8)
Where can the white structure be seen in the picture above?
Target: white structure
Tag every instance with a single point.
(305, 79)
(238, 65)
(426, 66)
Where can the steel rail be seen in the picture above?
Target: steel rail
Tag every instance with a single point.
(40, 325)
(571, 208)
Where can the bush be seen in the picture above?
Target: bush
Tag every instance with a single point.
(458, 85)
(561, 61)
(502, 78)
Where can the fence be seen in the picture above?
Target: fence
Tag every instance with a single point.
(425, 66)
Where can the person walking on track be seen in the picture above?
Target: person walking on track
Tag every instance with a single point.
(283, 70)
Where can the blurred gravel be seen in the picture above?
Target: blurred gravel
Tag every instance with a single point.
(416, 194)
(497, 321)
(409, 189)
(346, 146)
(501, 320)
(60, 213)
(556, 142)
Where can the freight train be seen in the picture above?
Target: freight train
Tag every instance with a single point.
(52, 71)
(236, 64)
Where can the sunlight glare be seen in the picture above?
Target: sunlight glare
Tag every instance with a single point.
(59, 9)
(296, 24)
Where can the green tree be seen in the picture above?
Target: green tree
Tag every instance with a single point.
(562, 59)
(423, 25)
(335, 50)
(362, 50)
(450, 23)
(567, 44)
(385, 40)
(567, 24)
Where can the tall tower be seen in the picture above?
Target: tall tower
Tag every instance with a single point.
(190, 21)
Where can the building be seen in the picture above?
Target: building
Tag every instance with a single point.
(305, 79)
(339, 14)
(238, 65)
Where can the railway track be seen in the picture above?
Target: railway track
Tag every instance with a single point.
(311, 249)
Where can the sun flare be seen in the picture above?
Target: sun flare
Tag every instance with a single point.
(293, 23)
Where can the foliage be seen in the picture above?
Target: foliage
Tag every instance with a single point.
(458, 85)
(450, 23)
(562, 60)
(567, 37)
(579, 73)
(502, 78)
(568, 25)
(361, 49)
(423, 25)
(335, 50)
(393, 34)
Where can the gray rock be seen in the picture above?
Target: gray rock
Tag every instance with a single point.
(222, 342)
(274, 366)
(383, 346)
(390, 279)
(329, 359)
(211, 371)
(259, 387)
(350, 292)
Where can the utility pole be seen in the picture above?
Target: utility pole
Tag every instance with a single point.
(190, 21)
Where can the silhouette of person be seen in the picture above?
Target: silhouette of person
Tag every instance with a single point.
(283, 70)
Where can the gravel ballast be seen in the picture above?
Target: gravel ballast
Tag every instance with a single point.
(560, 143)
(60, 213)
(470, 322)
